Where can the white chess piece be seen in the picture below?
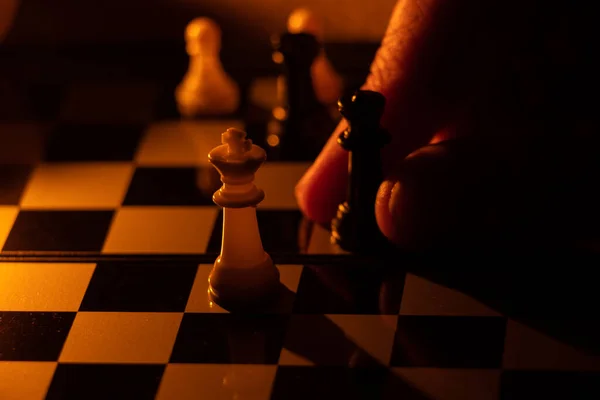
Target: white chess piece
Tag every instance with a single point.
(206, 87)
(326, 81)
(243, 272)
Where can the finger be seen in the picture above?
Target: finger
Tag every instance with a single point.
(443, 192)
(383, 212)
(324, 185)
(415, 202)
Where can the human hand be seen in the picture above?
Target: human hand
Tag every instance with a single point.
(451, 69)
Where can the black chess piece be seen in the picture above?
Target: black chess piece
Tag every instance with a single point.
(355, 227)
(307, 123)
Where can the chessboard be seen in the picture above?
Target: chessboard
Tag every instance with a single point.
(108, 234)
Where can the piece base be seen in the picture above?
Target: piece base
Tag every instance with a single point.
(242, 287)
(355, 235)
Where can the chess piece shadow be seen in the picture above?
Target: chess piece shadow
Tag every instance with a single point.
(358, 374)
(553, 293)
(325, 344)
(365, 376)
(370, 288)
(280, 301)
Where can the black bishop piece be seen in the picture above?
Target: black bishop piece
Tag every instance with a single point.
(308, 123)
(355, 227)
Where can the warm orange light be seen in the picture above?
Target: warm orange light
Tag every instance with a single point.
(273, 140)
(277, 57)
(279, 113)
(304, 20)
(43, 286)
(193, 30)
(211, 303)
(202, 35)
(442, 136)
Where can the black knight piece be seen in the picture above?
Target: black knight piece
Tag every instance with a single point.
(355, 228)
(307, 123)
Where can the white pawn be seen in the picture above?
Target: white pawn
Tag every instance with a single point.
(206, 89)
(326, 81)
(243, 272)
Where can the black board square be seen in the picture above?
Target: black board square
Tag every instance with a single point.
(108, 381)
(168, 187)
(58, 231)
(537, 384)
(229, 338)
(33, 336)
(93, 142)
(449, 342)
(327, 382)
(139, 287)
(13, 178)
(349, 289)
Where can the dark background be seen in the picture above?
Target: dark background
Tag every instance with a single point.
(45, 45)
(154, 25)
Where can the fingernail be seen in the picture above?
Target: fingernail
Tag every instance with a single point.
(385, 191)
(382, 209)
(394, 202)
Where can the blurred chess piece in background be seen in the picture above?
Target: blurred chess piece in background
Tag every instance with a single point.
(328, 85)
(206, 88)
(8, 11)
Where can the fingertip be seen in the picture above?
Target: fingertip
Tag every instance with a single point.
(384, 209)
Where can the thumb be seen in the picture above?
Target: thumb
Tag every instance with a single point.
(416, 206)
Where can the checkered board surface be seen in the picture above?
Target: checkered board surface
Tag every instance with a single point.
(120, 182)
(122, 177)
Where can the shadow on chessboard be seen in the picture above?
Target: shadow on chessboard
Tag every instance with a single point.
(366, 376)
(555, 294)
